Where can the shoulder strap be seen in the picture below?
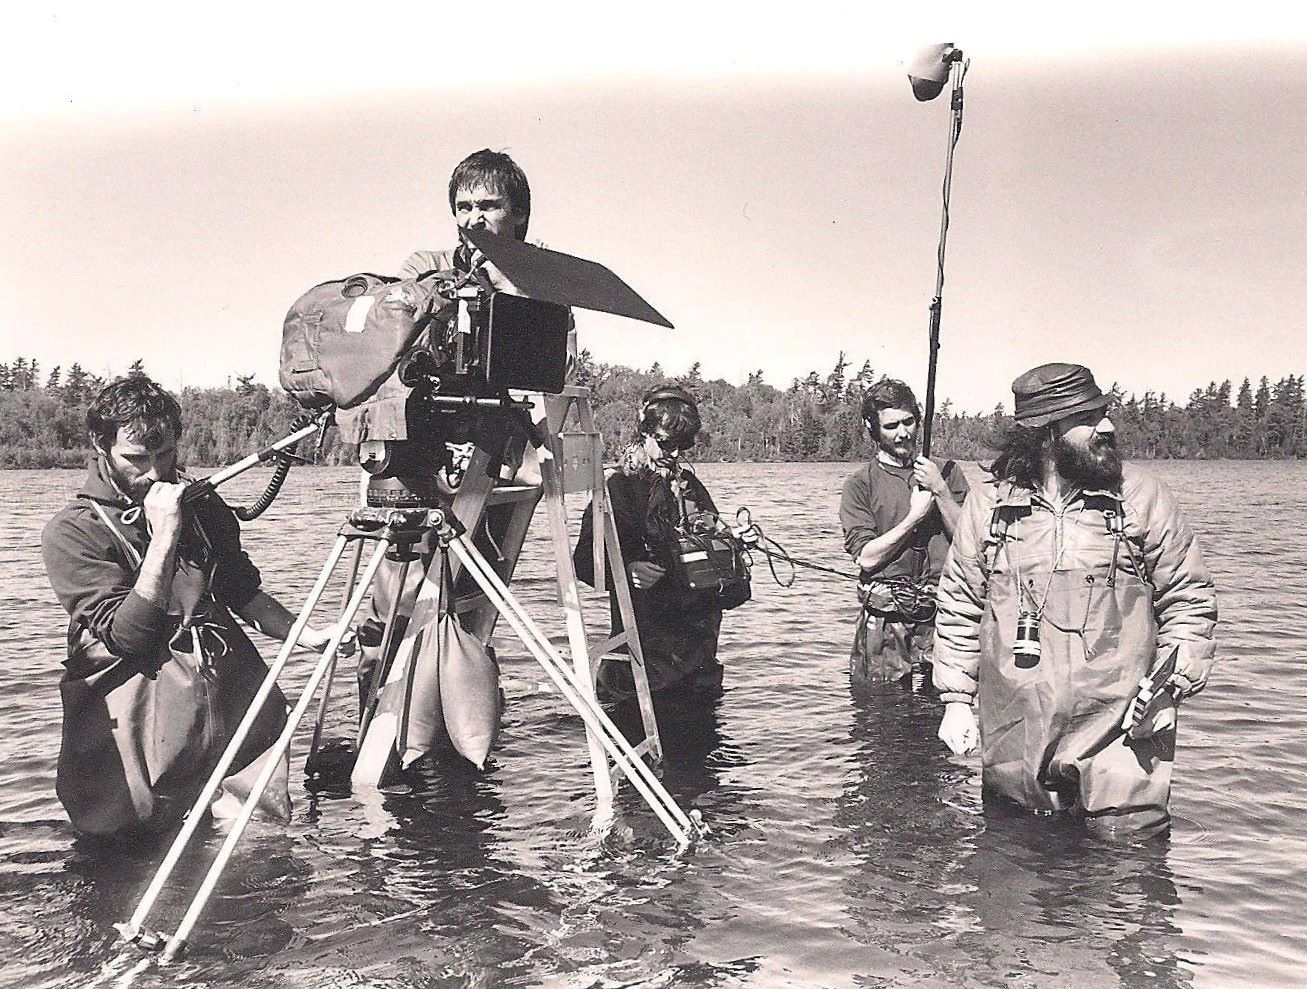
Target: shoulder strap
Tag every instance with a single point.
(128, 548)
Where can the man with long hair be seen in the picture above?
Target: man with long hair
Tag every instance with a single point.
(898, 513)
(1075, 613)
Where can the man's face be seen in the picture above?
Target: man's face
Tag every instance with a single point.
(1084, 450)
(478, 208)
(896, 433)
(663, 451)
(136, 465)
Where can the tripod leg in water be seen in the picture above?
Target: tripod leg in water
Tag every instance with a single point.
(132, 930)
(310, 764)
(283, 744)
(675, 820)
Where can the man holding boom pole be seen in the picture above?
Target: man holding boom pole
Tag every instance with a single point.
(898, 514)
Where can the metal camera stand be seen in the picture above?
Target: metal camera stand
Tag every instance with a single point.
(396, 534)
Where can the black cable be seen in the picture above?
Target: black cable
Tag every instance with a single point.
(284, 462)
(912, 599)
(269, 493)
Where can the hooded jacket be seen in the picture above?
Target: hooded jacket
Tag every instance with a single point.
(1009, 542)
(151, 696)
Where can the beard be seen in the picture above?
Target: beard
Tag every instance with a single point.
(903, 452)
(1097, 465)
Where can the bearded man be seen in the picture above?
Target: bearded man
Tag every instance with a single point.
(158, 674)
(1075, 614)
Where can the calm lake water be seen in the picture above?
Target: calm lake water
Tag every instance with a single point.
(847, 847)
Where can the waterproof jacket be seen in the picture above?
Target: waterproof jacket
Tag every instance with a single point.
(1130, 593)
(151, 696)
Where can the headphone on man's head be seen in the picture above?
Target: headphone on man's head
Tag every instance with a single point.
(666, 393)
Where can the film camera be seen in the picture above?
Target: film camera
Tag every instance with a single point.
(413, 367)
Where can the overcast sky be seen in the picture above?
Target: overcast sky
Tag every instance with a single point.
(1128, 192)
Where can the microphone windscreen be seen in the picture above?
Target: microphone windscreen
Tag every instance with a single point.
(929, 71)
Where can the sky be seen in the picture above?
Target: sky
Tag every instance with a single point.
(1129, 191)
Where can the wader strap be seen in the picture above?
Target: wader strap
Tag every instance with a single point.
(133, 556)
(1000, 521)
(1115, 520)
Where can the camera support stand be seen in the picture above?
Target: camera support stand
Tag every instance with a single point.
(396, 533)
(571, 461)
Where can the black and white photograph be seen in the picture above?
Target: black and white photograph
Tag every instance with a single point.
(690, 495)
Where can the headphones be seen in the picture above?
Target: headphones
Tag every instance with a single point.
(668, 393)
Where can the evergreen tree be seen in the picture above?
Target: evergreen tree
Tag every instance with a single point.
(75, 388)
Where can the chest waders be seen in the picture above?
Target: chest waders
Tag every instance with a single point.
(142, 733)
(1051, 736)
(895, 632)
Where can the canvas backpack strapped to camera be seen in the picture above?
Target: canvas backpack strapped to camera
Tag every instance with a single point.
(343, 338)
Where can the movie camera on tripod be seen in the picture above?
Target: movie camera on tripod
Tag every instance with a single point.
(415, 366)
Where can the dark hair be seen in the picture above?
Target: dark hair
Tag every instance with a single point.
(889, 393)
(133, 401)
(498, 173)
(673, 411)
(1021, 451)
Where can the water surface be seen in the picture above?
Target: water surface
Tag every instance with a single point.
(847, 847)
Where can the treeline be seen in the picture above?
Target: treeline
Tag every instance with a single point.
(42, 417)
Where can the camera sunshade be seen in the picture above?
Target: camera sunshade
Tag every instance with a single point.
(562, 279)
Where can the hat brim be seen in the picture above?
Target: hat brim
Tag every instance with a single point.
(1036, 421)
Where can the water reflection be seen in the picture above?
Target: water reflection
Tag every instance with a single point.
(899, 826)
(1043, 896)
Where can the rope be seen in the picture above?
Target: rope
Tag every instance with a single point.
(913, 598)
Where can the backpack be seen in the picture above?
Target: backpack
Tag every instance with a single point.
(342, 339)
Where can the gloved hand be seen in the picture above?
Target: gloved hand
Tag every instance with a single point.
(1155, 717)
(958, 729)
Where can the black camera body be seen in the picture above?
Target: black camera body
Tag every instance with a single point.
(477, 345)
(415, 366)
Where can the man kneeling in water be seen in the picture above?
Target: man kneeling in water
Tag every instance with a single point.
(158, 673)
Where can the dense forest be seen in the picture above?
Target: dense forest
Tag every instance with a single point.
(42, 417)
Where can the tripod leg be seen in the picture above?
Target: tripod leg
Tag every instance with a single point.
(282, 746)
(641, 777)
(383, 656)
(331, 672)
(132, 929)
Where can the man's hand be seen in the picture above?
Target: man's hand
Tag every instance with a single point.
(163, 508)
(498, 280)
(926, 474)
(958, 730)
(645, 575)
(1154, 718)
(919, 504)
(318, 638)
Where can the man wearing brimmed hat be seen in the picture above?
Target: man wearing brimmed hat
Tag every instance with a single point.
(1075, 613)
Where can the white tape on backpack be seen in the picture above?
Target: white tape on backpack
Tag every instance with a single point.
(357, 317)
